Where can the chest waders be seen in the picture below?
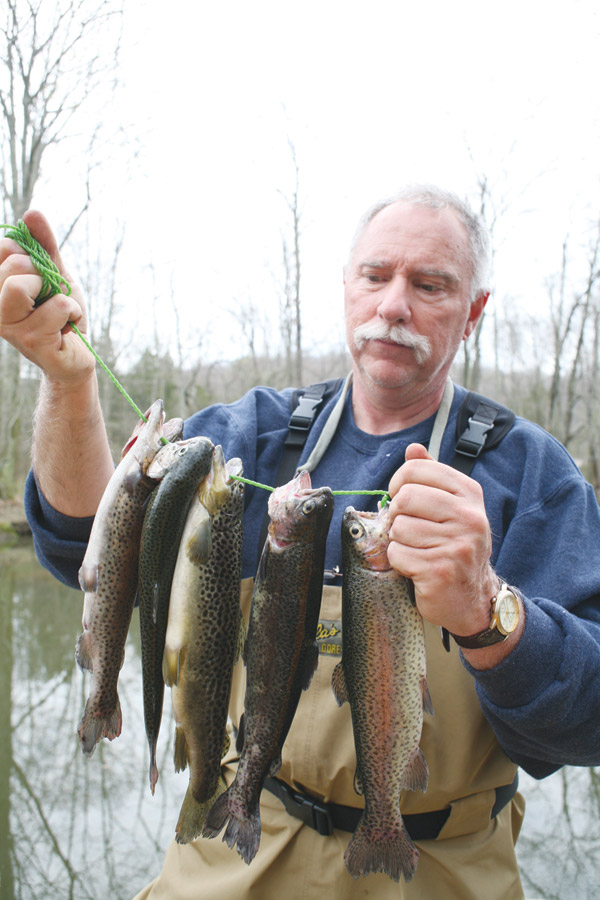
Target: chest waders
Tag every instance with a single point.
(465, 825)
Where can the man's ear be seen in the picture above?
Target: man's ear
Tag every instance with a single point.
(475, 314)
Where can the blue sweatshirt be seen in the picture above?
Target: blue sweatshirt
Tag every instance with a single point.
(543, 700)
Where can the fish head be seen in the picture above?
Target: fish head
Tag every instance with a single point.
(150, 418)
(297, 511)
(366, 535)
(215, 489)
(171, 454)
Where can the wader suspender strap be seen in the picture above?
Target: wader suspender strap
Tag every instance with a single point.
(481, 425)
(305, 403)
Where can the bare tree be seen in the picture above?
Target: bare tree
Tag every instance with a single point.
(290, 306)
(56, 58)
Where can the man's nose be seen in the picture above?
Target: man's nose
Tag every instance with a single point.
(395, 302)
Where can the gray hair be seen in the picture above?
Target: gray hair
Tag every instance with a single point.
(433, 197)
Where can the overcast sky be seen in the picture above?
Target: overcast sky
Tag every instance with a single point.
(373, 95)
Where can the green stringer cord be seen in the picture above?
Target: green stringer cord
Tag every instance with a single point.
(54, 283)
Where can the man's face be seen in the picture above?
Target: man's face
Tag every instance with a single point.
(410, 270)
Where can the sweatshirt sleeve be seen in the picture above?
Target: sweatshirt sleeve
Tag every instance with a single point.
(543, 700)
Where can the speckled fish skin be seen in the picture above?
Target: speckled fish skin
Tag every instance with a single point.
(205, 636)
(186, 464)
(281, 652)
(382, 675)
(109, 572)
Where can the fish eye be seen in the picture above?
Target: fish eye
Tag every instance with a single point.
(308, 506)
(355, 530)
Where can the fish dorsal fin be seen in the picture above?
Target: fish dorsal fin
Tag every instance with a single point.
(241, 640)
(358, 788)
(226, 745)
(275, 765)
(338, 685)
(311, 661)
(416, 775)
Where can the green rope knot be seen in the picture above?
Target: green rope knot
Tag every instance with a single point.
(52, 281)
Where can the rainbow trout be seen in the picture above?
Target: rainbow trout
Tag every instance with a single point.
(280, 654)
(382, 676)
(109, 572)
(186, 464)
(205, 636)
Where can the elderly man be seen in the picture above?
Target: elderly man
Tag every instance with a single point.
(521, 685)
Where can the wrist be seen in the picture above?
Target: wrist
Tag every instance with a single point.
(476, 616)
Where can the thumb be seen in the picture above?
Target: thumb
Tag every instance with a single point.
(417, 451)
(40, 229)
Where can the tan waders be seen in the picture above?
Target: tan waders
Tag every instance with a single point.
(473, 857)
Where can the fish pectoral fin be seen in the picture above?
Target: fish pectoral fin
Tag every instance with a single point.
(311, 661)
(427, 704)
(133, 477)
(88, 578)
(172, 660)
(199, 545)
(416, 774)
(338, 685)
(180, 756)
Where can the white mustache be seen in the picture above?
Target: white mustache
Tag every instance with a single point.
(398, 334)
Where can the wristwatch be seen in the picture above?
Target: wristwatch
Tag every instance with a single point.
(505, 618)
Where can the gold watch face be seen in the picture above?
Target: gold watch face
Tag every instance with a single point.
(507, 611)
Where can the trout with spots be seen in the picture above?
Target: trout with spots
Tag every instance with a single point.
(281, 652)
(186, 464)
(205, 636)
(382, 676)
(109, 573)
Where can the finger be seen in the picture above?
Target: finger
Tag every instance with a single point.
(417, 451)
(416, 500)
(17, 298)
(41, 230)
(9, 248)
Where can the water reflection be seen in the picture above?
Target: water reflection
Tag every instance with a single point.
(90, 829)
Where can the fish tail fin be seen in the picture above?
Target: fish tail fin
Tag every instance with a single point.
(193, 814)
(243, 824)
(371, 849)
(93, 727)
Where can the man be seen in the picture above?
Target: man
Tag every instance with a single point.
(526, 694)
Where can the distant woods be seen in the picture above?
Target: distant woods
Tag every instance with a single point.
(59, 68)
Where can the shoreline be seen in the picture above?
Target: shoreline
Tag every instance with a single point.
(13, 522)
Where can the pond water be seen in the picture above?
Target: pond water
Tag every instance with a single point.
(73, 828)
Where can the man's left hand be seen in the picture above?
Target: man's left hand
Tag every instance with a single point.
(441, 539)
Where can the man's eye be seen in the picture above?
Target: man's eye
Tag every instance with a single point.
(428, 288)
(374, 278)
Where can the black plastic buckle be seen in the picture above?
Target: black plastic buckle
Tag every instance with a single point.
(472, 440)
(304, 413)
(310, 811)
